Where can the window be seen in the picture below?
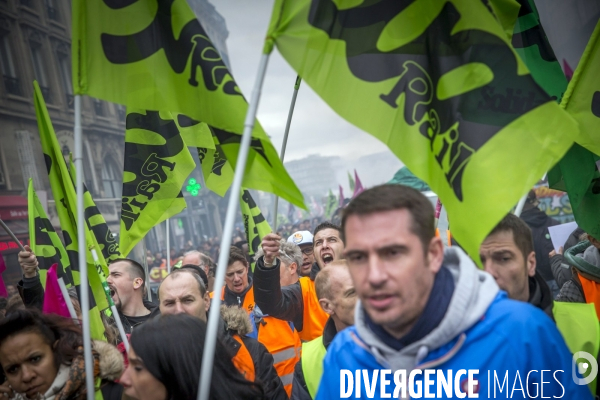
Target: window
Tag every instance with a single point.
(9, 74)
(2, 176)
(111, 180)
(52, 9)
(64, 68)
(99, 107)
(39, 70)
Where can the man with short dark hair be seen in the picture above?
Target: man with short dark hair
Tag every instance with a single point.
(126, 281)
(422, 311)
(507, 254)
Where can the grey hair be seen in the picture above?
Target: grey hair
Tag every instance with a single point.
(203, 257)
(288, 251)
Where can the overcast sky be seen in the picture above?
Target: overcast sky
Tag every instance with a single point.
(315, 129)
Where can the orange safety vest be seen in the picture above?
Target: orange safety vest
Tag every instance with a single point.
(283, 342)
(314, 318)
(591, 292)
(243, 360)
(248, 304)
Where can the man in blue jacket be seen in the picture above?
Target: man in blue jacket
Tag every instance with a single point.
(429, 324)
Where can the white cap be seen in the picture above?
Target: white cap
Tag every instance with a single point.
(301, 237)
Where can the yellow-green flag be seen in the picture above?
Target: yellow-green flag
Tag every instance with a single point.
(155, 55)
(65, 200)
(332, 203)
(254, 222)
(103, 240)
(44, 240)
(157, 163)
(439, 83)
(582, 98)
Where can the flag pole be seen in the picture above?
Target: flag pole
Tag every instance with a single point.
(12, 235)
(520, 205)
(285, 138)
(215, 308)
(68, 301)
(168, 248)
(83, 272)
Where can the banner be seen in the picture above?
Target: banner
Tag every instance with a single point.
(44, 241)
(65, 201)
(441, 86)
(157, 164)
(155, 55)
(255, 224)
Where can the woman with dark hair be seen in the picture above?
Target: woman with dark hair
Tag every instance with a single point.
(165, 356)
(41, 356)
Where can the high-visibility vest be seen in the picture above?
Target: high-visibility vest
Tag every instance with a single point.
(314, 318)
(248, 303)
(243, 360)
(282, 341)
(578, 324)
(313, 353)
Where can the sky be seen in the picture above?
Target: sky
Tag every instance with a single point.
(316, 128)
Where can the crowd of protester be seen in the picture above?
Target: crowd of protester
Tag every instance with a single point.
(377, 291)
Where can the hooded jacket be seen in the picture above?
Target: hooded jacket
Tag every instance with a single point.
(539, 222)
(129, 324)
(540, 295)
(481, 330)
(572, 291)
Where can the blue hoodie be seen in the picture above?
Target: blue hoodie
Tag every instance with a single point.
(513, 345)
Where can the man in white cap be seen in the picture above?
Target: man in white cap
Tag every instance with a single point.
(304, 240)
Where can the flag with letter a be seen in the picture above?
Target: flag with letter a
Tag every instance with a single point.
(440, 84)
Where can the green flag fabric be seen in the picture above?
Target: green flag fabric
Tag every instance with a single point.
(157, 163)
(578, 171)
(332, 204)
(65, 200)
(254, 222)
(44, 240)
(351, 182)
(441, 86)
(102, 238)
(155, 55)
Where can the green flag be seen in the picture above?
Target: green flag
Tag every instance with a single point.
(157, 163)
(351, 181)
(65, 200)
(332, 204)
(578, 171)
(440, 84)
(102, 238)
(255, 224)
(44, 240)
(155, 55)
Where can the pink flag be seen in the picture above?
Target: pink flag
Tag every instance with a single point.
(54, 302)
(3, 292)
(341, 196)
(358, 187)
(568, 70)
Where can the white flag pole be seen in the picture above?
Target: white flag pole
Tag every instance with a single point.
(215, 307)
(285, 138)
(68, 301)
(83, 273)
(520, 205)
(168, 247)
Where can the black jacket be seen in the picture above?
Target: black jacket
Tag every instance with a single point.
(284, 303)
(299, 388)
(32, 292)
(540, 295)
(539, 222)
(561, 270)
(129, 324)
(236, 299)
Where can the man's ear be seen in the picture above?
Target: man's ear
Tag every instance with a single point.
(138, 283)
(435, 254)
(531, 264)
(326, 306)
(293, 268)
(206, 301)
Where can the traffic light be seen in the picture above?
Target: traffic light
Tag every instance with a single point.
(193, 187)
